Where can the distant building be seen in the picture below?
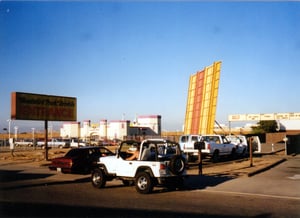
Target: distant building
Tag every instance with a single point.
(70, 130)
(149, 125)
(150, 122)
(289, 125)
(117, 129)
(283, 126)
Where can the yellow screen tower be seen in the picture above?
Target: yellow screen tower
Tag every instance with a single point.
(202, 100)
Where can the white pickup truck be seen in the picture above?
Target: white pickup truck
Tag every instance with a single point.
(213, 146)
(24, 142)
(78, 143)
(54, 143)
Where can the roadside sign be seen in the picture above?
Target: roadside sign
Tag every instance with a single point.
(259, 117)
(28, 106)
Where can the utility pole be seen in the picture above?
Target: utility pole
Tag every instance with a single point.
(251, 152)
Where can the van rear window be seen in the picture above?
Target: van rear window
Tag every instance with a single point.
(184, 138)
(194, 138)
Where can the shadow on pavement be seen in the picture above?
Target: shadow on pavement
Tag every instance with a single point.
(17, 175)
(10, 209)
(191, 182)
(203, 181)
(11, 176)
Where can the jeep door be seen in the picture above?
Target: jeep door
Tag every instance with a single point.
(126, 168)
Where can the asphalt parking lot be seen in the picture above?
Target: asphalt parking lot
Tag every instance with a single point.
(29, 189)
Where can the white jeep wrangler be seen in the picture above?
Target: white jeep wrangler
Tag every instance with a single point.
(159, 163)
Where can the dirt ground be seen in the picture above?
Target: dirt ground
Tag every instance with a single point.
(236, 168)
(30, 155)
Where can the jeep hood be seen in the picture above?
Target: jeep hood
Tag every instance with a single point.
(107, 159)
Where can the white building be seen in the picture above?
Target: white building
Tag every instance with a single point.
(117, 129)
(70, 130)
(153, 122)
(289, 124)
(102, 133)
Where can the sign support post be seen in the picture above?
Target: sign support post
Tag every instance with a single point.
(200, 161)
(251, 152)
(46, 139)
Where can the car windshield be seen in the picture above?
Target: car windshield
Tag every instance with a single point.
(104, 151)
(215, 139)
(89, 151)
(153, 150)
(74, 152)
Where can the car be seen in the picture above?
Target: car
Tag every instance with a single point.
(156, 162)
(79, 160)
(75, 142)
(240, 143)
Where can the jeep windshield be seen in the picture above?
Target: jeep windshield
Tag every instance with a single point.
(127, 147)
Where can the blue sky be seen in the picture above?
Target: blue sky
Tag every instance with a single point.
(135, 58)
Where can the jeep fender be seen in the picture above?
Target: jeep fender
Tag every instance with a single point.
(144, 169)
(102, 167)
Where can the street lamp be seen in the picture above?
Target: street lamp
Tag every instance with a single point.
(51, 129)
(16, 133)
(9, 121)
(33, 134)
(285, 139)
(33, 141)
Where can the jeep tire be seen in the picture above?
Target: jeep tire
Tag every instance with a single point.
(98, 178)
(143, 183)
(177, 165)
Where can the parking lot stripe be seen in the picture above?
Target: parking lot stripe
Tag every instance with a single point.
(252, 194)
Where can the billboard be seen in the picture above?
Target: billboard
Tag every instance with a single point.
(259, 117)
(28, 106)
(202, 100)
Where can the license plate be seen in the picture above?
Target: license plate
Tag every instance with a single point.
(58, 169)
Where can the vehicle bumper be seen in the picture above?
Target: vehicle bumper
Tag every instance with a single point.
(194, 152)
(58, 169)
(170, 180)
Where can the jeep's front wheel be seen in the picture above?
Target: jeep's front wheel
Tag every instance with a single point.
(143, 183)
(98, 178)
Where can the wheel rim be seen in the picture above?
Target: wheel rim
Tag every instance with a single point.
(179, 165)
(142, 183)
(96, 178)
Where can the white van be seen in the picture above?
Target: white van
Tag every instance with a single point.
(186, 143)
